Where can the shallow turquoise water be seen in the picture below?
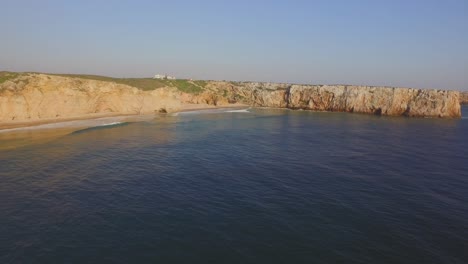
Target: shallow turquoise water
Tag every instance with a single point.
(264, 186)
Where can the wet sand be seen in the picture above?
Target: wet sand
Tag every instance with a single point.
(20, 134)
(117, 117)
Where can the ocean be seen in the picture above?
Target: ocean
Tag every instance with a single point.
(243, 186)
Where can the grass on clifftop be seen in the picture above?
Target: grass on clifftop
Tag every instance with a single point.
(5, 76)
(187, 86)
(146, 84)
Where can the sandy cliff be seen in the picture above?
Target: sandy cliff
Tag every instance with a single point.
(41, 96)
(32, 97)
(35, 97)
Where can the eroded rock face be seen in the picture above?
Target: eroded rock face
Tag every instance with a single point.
(40, 96)
(376, 100)
(464, 98)
(43, 96)
(359, 99)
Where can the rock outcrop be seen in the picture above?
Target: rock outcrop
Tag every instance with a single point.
(464, 98)
(39, 96)
(43, 97)
(359, 99)
(33, 97)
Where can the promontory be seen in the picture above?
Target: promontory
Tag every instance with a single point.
(32, 96)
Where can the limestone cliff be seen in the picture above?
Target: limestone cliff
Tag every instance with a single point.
(464, 98)
(358, 99)
(31, 97)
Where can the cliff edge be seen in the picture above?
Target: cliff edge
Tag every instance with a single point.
(386, 101)
(32, 97)
(464, 98)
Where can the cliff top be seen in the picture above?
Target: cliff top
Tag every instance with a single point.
(148, 84)
(145, 84)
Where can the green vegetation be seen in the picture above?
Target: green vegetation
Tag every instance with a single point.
(187, 86)
(200, 83)
(146, 84)
(5, 76)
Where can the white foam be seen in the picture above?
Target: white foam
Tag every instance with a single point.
(203, 111)
(109, 124)
(238, 111)
(214, 111)
(104, 121)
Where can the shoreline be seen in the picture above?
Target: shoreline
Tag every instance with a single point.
(75, 121)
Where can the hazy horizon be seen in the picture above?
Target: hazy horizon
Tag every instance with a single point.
(421, 44)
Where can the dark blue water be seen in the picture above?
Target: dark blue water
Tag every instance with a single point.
(268, 186)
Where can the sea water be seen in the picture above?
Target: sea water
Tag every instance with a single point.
(250, 186)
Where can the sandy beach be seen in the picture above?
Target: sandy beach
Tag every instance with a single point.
(19, 134)
(92, 119)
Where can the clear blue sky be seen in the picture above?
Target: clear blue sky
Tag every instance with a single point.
(412, 43)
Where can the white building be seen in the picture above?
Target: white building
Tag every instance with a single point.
(159, 76)
(163, 77)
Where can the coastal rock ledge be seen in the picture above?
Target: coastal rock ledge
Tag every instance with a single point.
(32, 97)
(355, 99)
(464, 98)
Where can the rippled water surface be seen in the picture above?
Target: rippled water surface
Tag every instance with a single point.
(256, 186)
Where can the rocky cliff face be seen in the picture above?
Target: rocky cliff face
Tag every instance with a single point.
(464, 98)
(39, 96)
(358, 99)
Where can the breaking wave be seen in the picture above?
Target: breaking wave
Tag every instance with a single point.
(213, 111)
(101, 126)
(238, 111)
